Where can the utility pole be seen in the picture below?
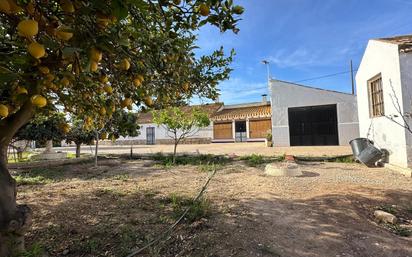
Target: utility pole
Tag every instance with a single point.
(351, 75)
(265, 62)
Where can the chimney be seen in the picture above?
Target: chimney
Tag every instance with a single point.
(264, 99)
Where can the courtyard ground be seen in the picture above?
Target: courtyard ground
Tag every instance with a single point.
(221, 148)
(80, 210)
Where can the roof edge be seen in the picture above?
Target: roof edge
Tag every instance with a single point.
(310, 87)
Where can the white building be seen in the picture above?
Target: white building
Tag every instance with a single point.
(151, 134)
(384, 89)
(303, 115)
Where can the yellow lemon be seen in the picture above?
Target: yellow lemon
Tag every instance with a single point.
(65, 81)
(126, 102)
(137, 82)
(4, 111)
(67, 6)
(28, 28)
(102, 22)
(103, 135)
(186, 87)
(204, 10)
(49, 77)
(39, 101)
(21, 91)
(93, 66)
(36, 50)
(102, 111)
(65, 127)
(148, 101)
(62, 34)
(95, 54)
(125, 64)
(44, 69)
(108, 89)
(4, 6)
(104, 79)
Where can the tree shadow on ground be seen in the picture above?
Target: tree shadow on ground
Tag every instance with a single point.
(113, 222)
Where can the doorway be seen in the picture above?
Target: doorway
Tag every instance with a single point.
(313, 125)
(150, 136)
(240, 131)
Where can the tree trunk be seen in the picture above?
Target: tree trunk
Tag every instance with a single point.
(174, 152)
(96, 149)
(15, 219)
(78, 150)
(49, 146)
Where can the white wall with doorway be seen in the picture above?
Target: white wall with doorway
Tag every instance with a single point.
(285, 95)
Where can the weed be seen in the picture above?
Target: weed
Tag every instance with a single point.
(36, 250)
(27, 180)
(202, 159)
(197, 209)
(399, 230)
(209, 167)
(110, 192)
(255, 160)
(123, 177)
(389, 209)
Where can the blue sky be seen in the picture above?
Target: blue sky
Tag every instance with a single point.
(302, 39)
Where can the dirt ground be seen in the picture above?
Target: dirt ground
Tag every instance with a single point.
(222, 148)
(327, 212)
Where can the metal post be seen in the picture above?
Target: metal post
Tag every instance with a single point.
(351, 75)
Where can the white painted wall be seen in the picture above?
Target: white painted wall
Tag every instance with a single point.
(161, 133)
(285, 95)
(384, 58)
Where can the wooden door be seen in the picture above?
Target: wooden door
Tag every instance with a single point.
(259, 128)
(222, 130)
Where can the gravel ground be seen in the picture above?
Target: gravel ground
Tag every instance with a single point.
(326, 212)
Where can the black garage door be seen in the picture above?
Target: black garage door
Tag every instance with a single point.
(314, 125)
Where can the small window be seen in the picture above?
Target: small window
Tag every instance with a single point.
(376, 106)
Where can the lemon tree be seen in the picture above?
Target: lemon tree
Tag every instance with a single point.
(180, 123)
(93, 57)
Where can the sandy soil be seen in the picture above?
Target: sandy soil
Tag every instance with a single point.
(223, 148)
(120, 206)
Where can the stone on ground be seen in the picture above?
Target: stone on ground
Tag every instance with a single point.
(386, 217)
(286, 169)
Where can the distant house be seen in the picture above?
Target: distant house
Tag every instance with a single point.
(307, 116)
(384, 89)
(249, 122)
(242, 122)
(151, 134)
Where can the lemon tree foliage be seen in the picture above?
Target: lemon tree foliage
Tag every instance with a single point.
(181, 123)
(121, 124)
(93, 57)
(52, 126)
(78, 135)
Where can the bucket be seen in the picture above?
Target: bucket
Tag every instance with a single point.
(358, 145)
(370, 155)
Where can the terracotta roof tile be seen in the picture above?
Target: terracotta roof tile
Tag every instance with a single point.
(404, 42)
(258, 111)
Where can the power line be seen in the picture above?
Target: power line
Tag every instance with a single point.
(303, 80)
(324, 76)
